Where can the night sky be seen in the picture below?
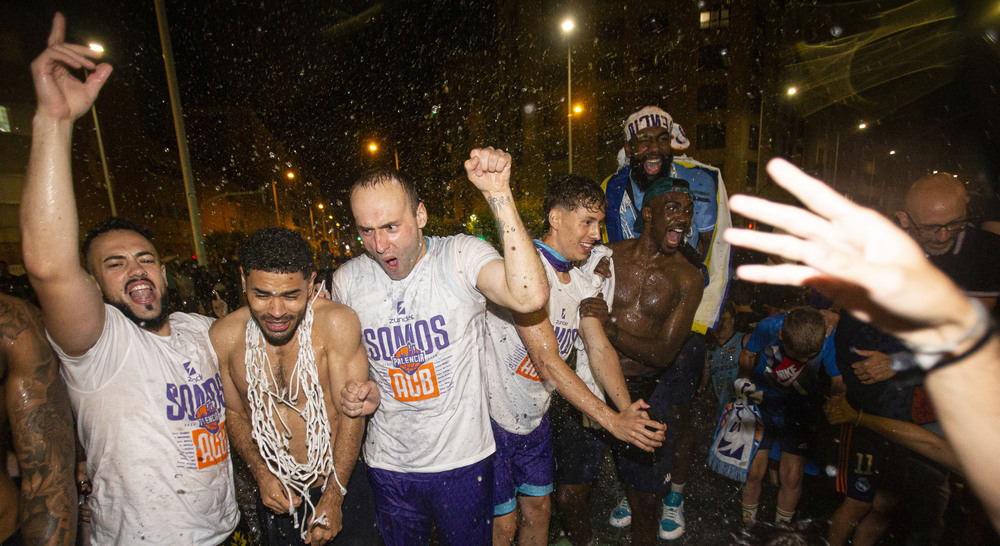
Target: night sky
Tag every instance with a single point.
(323, 77)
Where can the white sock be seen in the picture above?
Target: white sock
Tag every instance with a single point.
(677, 488)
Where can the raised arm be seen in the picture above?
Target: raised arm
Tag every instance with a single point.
(630, 425)
(42, 425)
(873, 269)
(70, 300)
(518, 281)
(348, 365)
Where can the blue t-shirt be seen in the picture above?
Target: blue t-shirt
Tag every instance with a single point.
(771, 374)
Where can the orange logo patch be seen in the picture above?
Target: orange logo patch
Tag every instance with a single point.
(211, 448)
(421, 384)
(527, 369)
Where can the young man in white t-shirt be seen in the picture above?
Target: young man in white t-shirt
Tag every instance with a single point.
(421, 302)
(143, 382)
(526, 360)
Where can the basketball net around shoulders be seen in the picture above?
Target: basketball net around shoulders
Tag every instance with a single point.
(271, 432)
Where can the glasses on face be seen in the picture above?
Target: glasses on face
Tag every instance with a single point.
(932, 230)
(663, 139)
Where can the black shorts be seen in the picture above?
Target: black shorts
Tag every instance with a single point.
(578, 449)
(357, 515)
(865, 463)
(642, 470)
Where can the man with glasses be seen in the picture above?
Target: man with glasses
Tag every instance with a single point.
(936, 216)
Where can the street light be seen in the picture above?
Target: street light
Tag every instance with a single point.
(373, 148)
(792, 91)
(567, 28)
(100, 145)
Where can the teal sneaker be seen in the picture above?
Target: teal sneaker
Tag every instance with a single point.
(672, 519)
(621, 516)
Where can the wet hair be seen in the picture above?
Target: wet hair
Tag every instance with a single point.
(803, 331)
(571, 192)
(386, 176)
(276, 250)
(114, 223)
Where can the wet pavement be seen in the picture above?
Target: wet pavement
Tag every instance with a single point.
(711, 501)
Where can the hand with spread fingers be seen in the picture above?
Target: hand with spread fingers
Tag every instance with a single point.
(854, 255)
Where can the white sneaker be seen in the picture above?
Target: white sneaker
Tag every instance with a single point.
(621, 516)
(672, 519)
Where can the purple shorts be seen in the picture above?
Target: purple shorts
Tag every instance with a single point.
(458, 501)
(524, 465)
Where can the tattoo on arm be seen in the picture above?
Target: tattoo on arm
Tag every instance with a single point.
(42, 426)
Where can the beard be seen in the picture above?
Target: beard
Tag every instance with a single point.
(149, 323)
(642, 179)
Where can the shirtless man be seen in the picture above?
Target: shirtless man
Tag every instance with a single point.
(37, 425)
(656, 295)
(143, 381)
(282, 382)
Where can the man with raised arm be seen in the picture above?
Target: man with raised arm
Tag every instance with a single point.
(143, 382)
(36, 420)
(284, 359)
(526, 355)
(421, 302)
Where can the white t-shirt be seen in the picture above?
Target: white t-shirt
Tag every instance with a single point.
(424, 337)
(151, 417)
(518, 396)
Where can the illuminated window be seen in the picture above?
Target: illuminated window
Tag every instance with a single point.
(4, 120)
(714, 17)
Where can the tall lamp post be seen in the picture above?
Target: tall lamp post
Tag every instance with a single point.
(100, 147)
(274, 189)
(567, 28)
(326, 234)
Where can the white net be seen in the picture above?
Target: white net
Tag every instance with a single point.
(270, 430)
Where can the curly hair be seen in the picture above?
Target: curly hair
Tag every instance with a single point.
(276, 250)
